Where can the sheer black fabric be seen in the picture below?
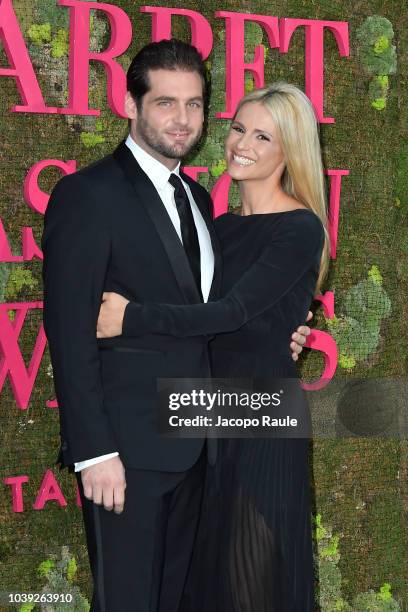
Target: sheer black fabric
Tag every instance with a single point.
(254, 546)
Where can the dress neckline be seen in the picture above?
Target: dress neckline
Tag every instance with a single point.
(279, 212)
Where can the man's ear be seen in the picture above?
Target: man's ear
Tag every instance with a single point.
(130, 106)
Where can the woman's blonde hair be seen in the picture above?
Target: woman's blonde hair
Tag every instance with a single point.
(298, 131)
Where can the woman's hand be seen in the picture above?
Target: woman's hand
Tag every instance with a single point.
(299, 338)
(111, 313)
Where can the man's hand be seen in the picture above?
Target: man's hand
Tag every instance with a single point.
(299, 338)
(111, 314)
(104, 483)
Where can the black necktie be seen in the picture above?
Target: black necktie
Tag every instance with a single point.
(188, 229)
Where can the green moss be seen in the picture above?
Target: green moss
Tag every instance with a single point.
(249, 83)
(330, 595)
(347, 363)
(378, 57)
(367, 302)
(381, 601)
(378, 91)
(330, 579)
(45, 567)
(5, 269)
(19, 277)
(357, 330)
(401, 175)
(219, 168)
(72, 569)
(39, 34)
(60, 43)
(379, 104)
(27, 607)
(377, 54)
(50, 11)
(404, 245)
(381, 44)
(332, 549)
(60, 572)
(320, 531)
(383, 80)
(90, 139)
(385, 592)
(375, 275)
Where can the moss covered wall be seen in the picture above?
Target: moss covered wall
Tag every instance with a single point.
(360, 485)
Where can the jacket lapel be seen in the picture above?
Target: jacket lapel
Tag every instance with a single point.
(148, 197)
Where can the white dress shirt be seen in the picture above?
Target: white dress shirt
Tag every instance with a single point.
(159, 175)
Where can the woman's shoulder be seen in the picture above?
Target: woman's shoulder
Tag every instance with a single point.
(302, 217)
(303, 229)
(299, 220)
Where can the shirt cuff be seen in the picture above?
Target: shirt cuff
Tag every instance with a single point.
(83, 464)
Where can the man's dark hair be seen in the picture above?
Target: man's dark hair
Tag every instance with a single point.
(171, 54)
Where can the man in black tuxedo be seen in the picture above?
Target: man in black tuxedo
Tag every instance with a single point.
(135, 224)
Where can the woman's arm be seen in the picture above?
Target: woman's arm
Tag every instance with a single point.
(293, 250)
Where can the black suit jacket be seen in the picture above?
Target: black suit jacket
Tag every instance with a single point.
(106, 229)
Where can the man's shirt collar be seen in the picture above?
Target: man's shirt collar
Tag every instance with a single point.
(157, 172)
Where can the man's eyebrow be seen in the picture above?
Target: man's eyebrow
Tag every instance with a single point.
(257, 130)
(172, 99)
(163, 98)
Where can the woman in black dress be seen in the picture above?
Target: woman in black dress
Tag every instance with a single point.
(254, 548)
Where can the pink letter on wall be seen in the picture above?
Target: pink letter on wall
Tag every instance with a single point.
(201, 33)
(5, 249)
(35, 198)
(327, 302)
(30, 248)
(334, 207)
(235, 49)
(22, 379)
(21, 68)
(322, 341)
(38, 200)
(16, 483)
(314, 64)
(80, 56)
(194, 171)
(219, 194)
(49, 490)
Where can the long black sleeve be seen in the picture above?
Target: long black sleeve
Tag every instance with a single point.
(295, 247)
(76, 246)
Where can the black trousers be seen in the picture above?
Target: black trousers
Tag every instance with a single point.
(140, 558)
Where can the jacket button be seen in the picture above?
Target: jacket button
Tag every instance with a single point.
(64, 446)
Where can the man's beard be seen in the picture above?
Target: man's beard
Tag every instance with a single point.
(154, 140)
